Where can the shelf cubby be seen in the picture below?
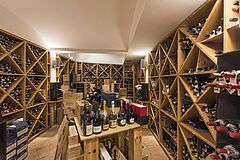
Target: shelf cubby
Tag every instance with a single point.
(167, 108)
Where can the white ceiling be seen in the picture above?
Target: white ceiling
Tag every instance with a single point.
(129, 28)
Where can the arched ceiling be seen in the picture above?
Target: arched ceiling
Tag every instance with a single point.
(129, 28)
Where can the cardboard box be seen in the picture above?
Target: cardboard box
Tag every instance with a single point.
(122, 92)
(73, 135)
(66, 78)
(79, 96)
(74, 151)
(112, 87)
(108, 81)
(69, 96)
(70, 104)
(65, 88)
(106, 88)
(66, 83)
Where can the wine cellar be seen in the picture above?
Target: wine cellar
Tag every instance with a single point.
(127, 81)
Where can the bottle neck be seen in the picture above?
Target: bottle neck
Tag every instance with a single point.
(113, 108)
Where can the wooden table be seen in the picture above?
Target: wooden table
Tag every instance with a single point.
(91, 143)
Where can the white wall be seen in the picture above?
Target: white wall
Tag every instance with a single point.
(15, 25)
(107, 58)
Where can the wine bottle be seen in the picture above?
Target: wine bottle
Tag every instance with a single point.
(168, 109)
(172, 128)
(218, 122)
(113, 117)
(7, 42)
(130, 114)
(186, 102)
(122, 118)
(105, 118)
(173, 97)
(87, 122)
(97, 122)
(197, 123)
(232, 151)
(185, 153)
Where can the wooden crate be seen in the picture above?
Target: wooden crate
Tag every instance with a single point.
(73, 135)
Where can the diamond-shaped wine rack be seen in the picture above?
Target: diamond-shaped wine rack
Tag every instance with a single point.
(187, 57)
(24, 77)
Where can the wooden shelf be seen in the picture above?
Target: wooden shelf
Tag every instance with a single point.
(201, 55)
(21, 54)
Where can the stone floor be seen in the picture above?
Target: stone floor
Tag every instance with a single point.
(43, 147)
(151, 147)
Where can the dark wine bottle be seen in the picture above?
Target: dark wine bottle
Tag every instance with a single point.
(97, 122)
(130, 114)
(87, 122)
(122, 118)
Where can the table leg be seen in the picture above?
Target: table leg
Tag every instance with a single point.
(135, 144)
(91, 149)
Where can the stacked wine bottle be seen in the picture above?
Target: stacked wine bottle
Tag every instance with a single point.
(94, 118)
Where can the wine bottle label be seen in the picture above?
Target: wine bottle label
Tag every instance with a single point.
(89, 130)
(97, 129)
(123, 122)
(131, 120)
(105, 127)
(113, 123)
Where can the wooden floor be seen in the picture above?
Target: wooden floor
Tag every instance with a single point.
(43, 147)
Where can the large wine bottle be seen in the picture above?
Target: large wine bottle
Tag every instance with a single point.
(97, 122)
(113, 117)
(122, 118)
(87, 122)
(130, 114)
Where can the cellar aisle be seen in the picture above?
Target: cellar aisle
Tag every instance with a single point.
(151, 147)
(43, 147)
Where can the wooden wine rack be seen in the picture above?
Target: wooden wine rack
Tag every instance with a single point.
(95, 73)
(140, 73)
(169, 73)
(64, 67)
(30, 63)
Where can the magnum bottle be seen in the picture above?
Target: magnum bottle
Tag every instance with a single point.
(105, 118)
(130, 114)
(113, 117)
(122, 118)
(87, 122)
(97, 122)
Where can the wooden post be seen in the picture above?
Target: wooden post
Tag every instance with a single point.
(135, 144)
(91, 149)
(121, 141)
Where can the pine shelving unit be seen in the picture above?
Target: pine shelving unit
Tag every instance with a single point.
(95, 73)
(171, 68)
(30, 70)
(129, 80)
(63, 68)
